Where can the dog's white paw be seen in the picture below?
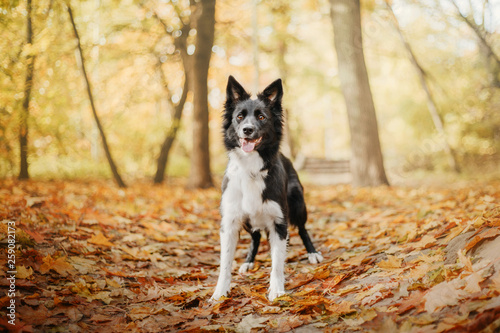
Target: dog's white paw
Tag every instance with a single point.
(216, 296)
(245, 267)
(219, 292)
(273, 294)
(315, 258)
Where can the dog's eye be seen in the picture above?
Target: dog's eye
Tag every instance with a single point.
(239, 117)
(261, 117)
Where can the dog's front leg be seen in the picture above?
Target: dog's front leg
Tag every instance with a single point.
(278, 240)
(229, 235)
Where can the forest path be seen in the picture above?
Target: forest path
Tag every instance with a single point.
(92, 257)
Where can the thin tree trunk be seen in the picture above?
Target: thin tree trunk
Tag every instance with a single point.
(200, 176)
(111, 162)
(283, 9)
(283, 70)
(255, 45)
(172, 132)
(180, 45)
(28, 85)
(431, 105)
(367, 166)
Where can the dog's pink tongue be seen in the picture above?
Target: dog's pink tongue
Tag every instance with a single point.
(247, 146)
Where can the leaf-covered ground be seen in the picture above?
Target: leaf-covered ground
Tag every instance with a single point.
(94, 258)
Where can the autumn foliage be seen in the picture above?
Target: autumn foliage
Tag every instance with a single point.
(92, 257)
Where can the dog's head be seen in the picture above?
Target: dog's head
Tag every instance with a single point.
(253, 124)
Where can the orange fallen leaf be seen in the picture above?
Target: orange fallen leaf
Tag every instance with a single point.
(100, 239)
(391, 263)
(60, 265)
(330, 283)
(300, 280)
(37, 237)
(23, 272)
(490, 233)
(342, 308)
(252, 293)
(57, 300)
(322, 272)
(425, 242)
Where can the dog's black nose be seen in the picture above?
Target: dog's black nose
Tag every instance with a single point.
(248, 130)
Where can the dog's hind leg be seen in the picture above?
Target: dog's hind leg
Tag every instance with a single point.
(298, 218)
(314, 256)
(252, 252)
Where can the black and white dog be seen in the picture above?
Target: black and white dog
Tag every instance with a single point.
(261, 189)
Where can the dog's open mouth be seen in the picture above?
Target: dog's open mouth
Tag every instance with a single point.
(248, 145)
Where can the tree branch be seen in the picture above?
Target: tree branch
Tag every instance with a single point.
(477, 31)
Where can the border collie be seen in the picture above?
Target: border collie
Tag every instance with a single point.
(261, 189)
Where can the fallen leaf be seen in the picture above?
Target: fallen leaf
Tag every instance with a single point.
(343, 308)
(363, 318)
(100, 239)
(392, 262)
(60, 265)
(250, 322)
(102, 295)
(424, 242)
(195, 325)
(330, 283)
(443, 294)
(472, 283)
(488, 233)
(23, 272)
(374, 298)
(37, 237)
(31, 201)
(287, 324)
(495, 282)
(465, 260)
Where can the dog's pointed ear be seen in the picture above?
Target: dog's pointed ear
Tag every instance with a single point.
(234, 91)
(273, 93)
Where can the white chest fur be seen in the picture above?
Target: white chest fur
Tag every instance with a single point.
(243, 195)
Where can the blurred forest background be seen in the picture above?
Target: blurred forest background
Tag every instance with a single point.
(138, 75)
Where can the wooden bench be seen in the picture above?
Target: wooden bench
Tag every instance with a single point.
(324, 171)
(316, 165)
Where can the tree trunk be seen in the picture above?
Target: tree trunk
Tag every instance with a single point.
(283, 70)
(172, 132)
(367, 166)
(23, 119)
(111, 162)
(180, 45)
(200, 160)
(431, 105)
(255, 46)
